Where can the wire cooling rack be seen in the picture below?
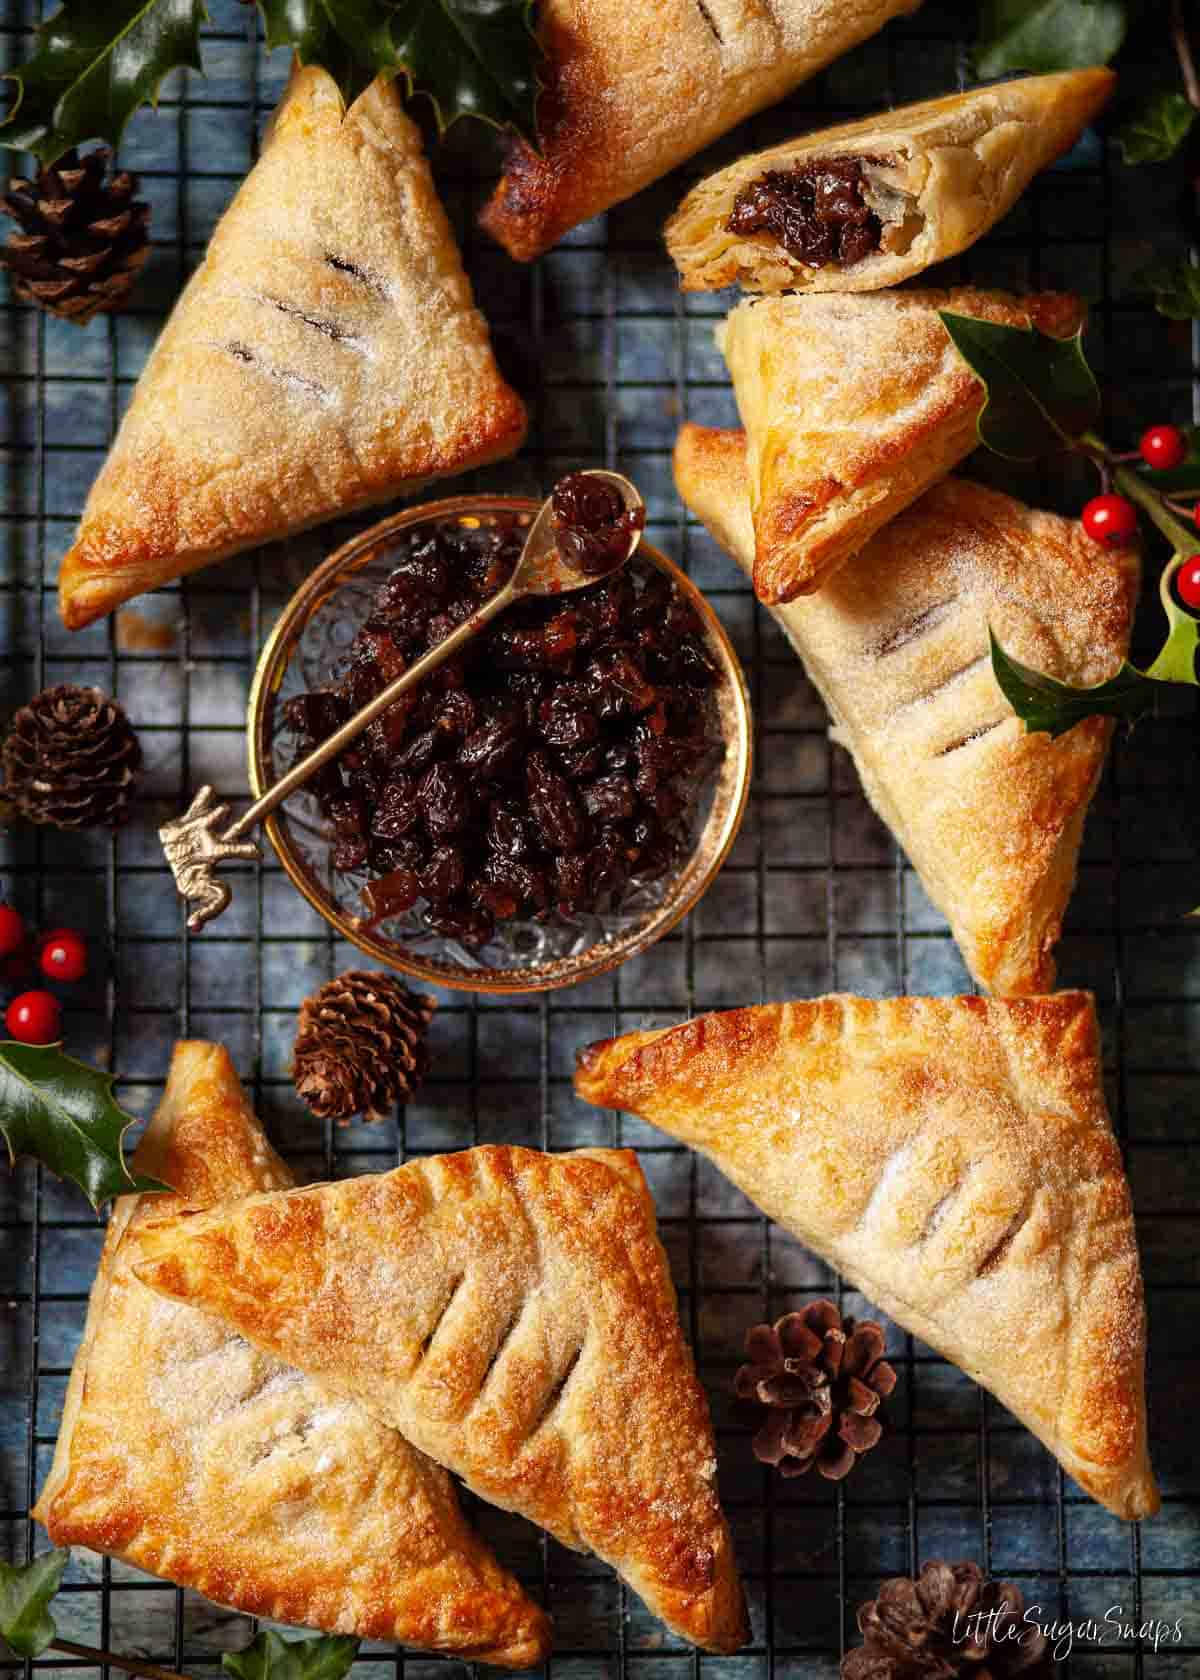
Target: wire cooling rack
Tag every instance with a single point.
(612, 359)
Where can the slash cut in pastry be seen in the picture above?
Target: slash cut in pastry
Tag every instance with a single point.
(897, 643)
(186, 1452)
(853, 405)
(512, 1313)
(632, 90)
(874, 202)
(325, 355)
(953, 1158)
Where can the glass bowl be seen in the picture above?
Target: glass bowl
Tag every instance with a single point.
(315, 632)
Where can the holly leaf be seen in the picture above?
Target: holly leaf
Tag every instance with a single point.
(1046, 705)
(94, 63)
(1041, 393)
(471, 58)
(1176, 288)
(270, 1657)
(1047, 34)
(62, 1113)
(1156, 129)
(26, 1625)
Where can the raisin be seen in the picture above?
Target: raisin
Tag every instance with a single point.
(397, 812)
(444, 800)
(444, 875)
(391, 894)
(556, 812)
(610, 799)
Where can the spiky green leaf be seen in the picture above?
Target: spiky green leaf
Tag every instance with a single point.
(270, 1657)
(1041, 393)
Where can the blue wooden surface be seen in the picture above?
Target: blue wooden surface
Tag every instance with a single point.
(815, 896)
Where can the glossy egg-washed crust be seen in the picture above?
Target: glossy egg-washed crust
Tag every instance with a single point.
(853, 405)
(632, 90)
(953, 1158)
(327, 354)
(186, 1452)
(513, 1314)
(963, 161)
(897, 643)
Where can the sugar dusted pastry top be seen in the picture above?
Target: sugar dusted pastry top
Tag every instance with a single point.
(897, 642)
(953, 1158)
(939, 174)
(187, 1452)
(325, 355)
(513, 1314)
(632, 90)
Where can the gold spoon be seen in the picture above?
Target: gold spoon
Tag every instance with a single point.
(191, 843)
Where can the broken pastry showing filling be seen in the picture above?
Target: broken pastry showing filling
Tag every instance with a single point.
(830, 211)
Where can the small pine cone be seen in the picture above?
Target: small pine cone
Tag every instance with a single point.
(72, 759)
(81, 240)
(821, 1379)
(360, 1048)
(950, 1621)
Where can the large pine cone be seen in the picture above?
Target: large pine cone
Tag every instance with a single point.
(360, 1048)
(821, 1379)
(951, 1621)
(82, 240)
(72, 759)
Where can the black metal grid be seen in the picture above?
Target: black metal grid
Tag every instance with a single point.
(815, 896)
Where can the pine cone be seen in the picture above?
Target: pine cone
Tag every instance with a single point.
(71, 759)
(360, 1048)
(822, 1380)
(950, 1621)
(82, 240)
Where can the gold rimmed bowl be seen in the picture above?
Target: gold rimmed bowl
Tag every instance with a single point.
(309, 648)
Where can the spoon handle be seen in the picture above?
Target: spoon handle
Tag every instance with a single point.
(366, 715)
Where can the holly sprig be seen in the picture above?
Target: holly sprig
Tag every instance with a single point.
(28, 1629)
(1042, 398)
(96, 62)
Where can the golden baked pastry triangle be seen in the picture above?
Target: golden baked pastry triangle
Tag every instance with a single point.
(953, 1158)
(512, 1313)
(853, 405)
(186, 1452)
(935, 177)
(632, 90)
(325, 355)
(897, 643)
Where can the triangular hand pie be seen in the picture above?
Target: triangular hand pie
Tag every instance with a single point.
(188, 1453)
(512, 1313)
(325, 355)
(954, 1159)
(874, 202)
(853, 405)
(630, 91)
(897, 642)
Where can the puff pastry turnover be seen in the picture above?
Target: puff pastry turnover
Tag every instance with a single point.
(186, 1452)
(326, 354)
(897, 643)
(513, 1314)
(630, 91)
(853, 405)
(925, 182)
(953, 1158)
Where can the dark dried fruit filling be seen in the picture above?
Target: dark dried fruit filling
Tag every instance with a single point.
(592, 525)
(551, 768)
(817, 212)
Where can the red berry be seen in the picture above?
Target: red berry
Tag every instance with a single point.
(1163, 447)
(1110, 520)
(33, 1018)
(12, 931)
(63, 955)
(1187, 582)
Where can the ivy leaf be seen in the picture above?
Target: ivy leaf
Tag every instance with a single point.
(1041, 393)
(1156, 130)
(94, 63)
(62, 1113)
(1045, 704)
(1047, 34)
(26, 1625)
(270, 1657)
(1176, 287)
